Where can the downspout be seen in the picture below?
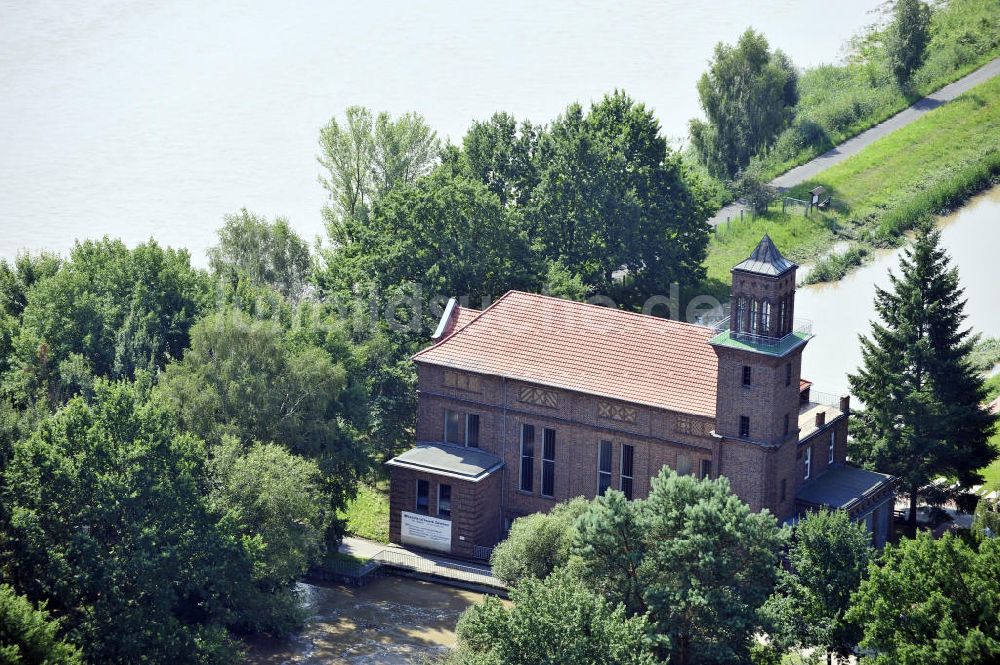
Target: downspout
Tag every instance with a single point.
(503, 455)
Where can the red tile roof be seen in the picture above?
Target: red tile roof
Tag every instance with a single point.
(586, 348)
(460, 316)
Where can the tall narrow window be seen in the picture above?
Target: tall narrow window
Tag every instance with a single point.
(784, 486)
(786, 424)
(452, 427)
(754, 317)
(628, 454)
(683, 465)
(603, 467)
(782, 317)
(788, 374)
(808, 463)
(706, 469)
(549, 462)
(747, 375)
(472, 430)
(741, 313)
(744, 427)
(527, 457)
(833, 443)
(423, 496)
(444, 500)
(765, 318)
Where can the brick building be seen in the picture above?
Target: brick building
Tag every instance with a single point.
(536, 400)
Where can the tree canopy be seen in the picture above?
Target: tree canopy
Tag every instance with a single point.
(907, 38)
(107, 311)
(827, 559)
(923, 397)
(692, 557)
(263, 252)
(748, 95)
(552, 621)
(931, 602)
(107, 524)
(365, 157)
(29, 636)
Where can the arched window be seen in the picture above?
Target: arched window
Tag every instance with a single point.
(754, 320)
(741, 312)
(765, 318)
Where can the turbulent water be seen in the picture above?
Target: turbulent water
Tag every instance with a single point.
(135, 118)
(391, 620)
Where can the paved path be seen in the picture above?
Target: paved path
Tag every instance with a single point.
(423, 562)
(863, 140)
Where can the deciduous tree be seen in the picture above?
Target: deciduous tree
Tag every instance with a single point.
(552, 621)
(931, 602)
(692, 557)
(827, 559)
(748, 95)
(107, 524)
(907, 37)
(262, 252)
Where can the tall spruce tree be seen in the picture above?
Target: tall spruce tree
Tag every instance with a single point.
(923, 398)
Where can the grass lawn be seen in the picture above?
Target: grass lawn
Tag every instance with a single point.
(991, 474)
(367, 514)
(922, 169)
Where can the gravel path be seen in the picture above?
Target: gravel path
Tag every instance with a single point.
(863, 140)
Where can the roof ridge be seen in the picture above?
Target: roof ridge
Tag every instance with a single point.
(604, 308)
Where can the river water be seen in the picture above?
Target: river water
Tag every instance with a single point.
(391, 620)
(841, 310)
(140, 118)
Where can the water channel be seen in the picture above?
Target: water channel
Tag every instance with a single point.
(839, 311)
(390, 620)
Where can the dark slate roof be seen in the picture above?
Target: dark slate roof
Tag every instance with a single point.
(446, 459)
(842, 486)
(766, 260)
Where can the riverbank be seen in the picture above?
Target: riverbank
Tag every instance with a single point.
(838, 102)
(928, 167)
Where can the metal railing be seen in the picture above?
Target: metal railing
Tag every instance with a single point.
(439, 568)
(482, 553)
(799, 327)
(826, 399)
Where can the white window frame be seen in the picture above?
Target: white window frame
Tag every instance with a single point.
(833, 443)
(808, 462)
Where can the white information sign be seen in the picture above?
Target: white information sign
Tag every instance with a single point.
(425, 531)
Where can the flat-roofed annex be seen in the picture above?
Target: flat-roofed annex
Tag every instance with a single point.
(586, 348)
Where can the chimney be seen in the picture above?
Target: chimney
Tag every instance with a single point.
(820, 418)
(845, 404)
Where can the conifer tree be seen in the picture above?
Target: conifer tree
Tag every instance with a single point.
(923, 397)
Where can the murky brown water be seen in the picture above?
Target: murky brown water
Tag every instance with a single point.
(841, 310)
(391, 620)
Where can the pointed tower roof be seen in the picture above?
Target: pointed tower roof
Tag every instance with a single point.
(766, 260)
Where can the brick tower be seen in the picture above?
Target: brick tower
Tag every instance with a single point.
(757, 395)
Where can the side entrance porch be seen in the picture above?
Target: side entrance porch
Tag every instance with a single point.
(447, 499)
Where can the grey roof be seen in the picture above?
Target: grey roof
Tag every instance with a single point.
(449, 460)
(766, 260)
(842, 486)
